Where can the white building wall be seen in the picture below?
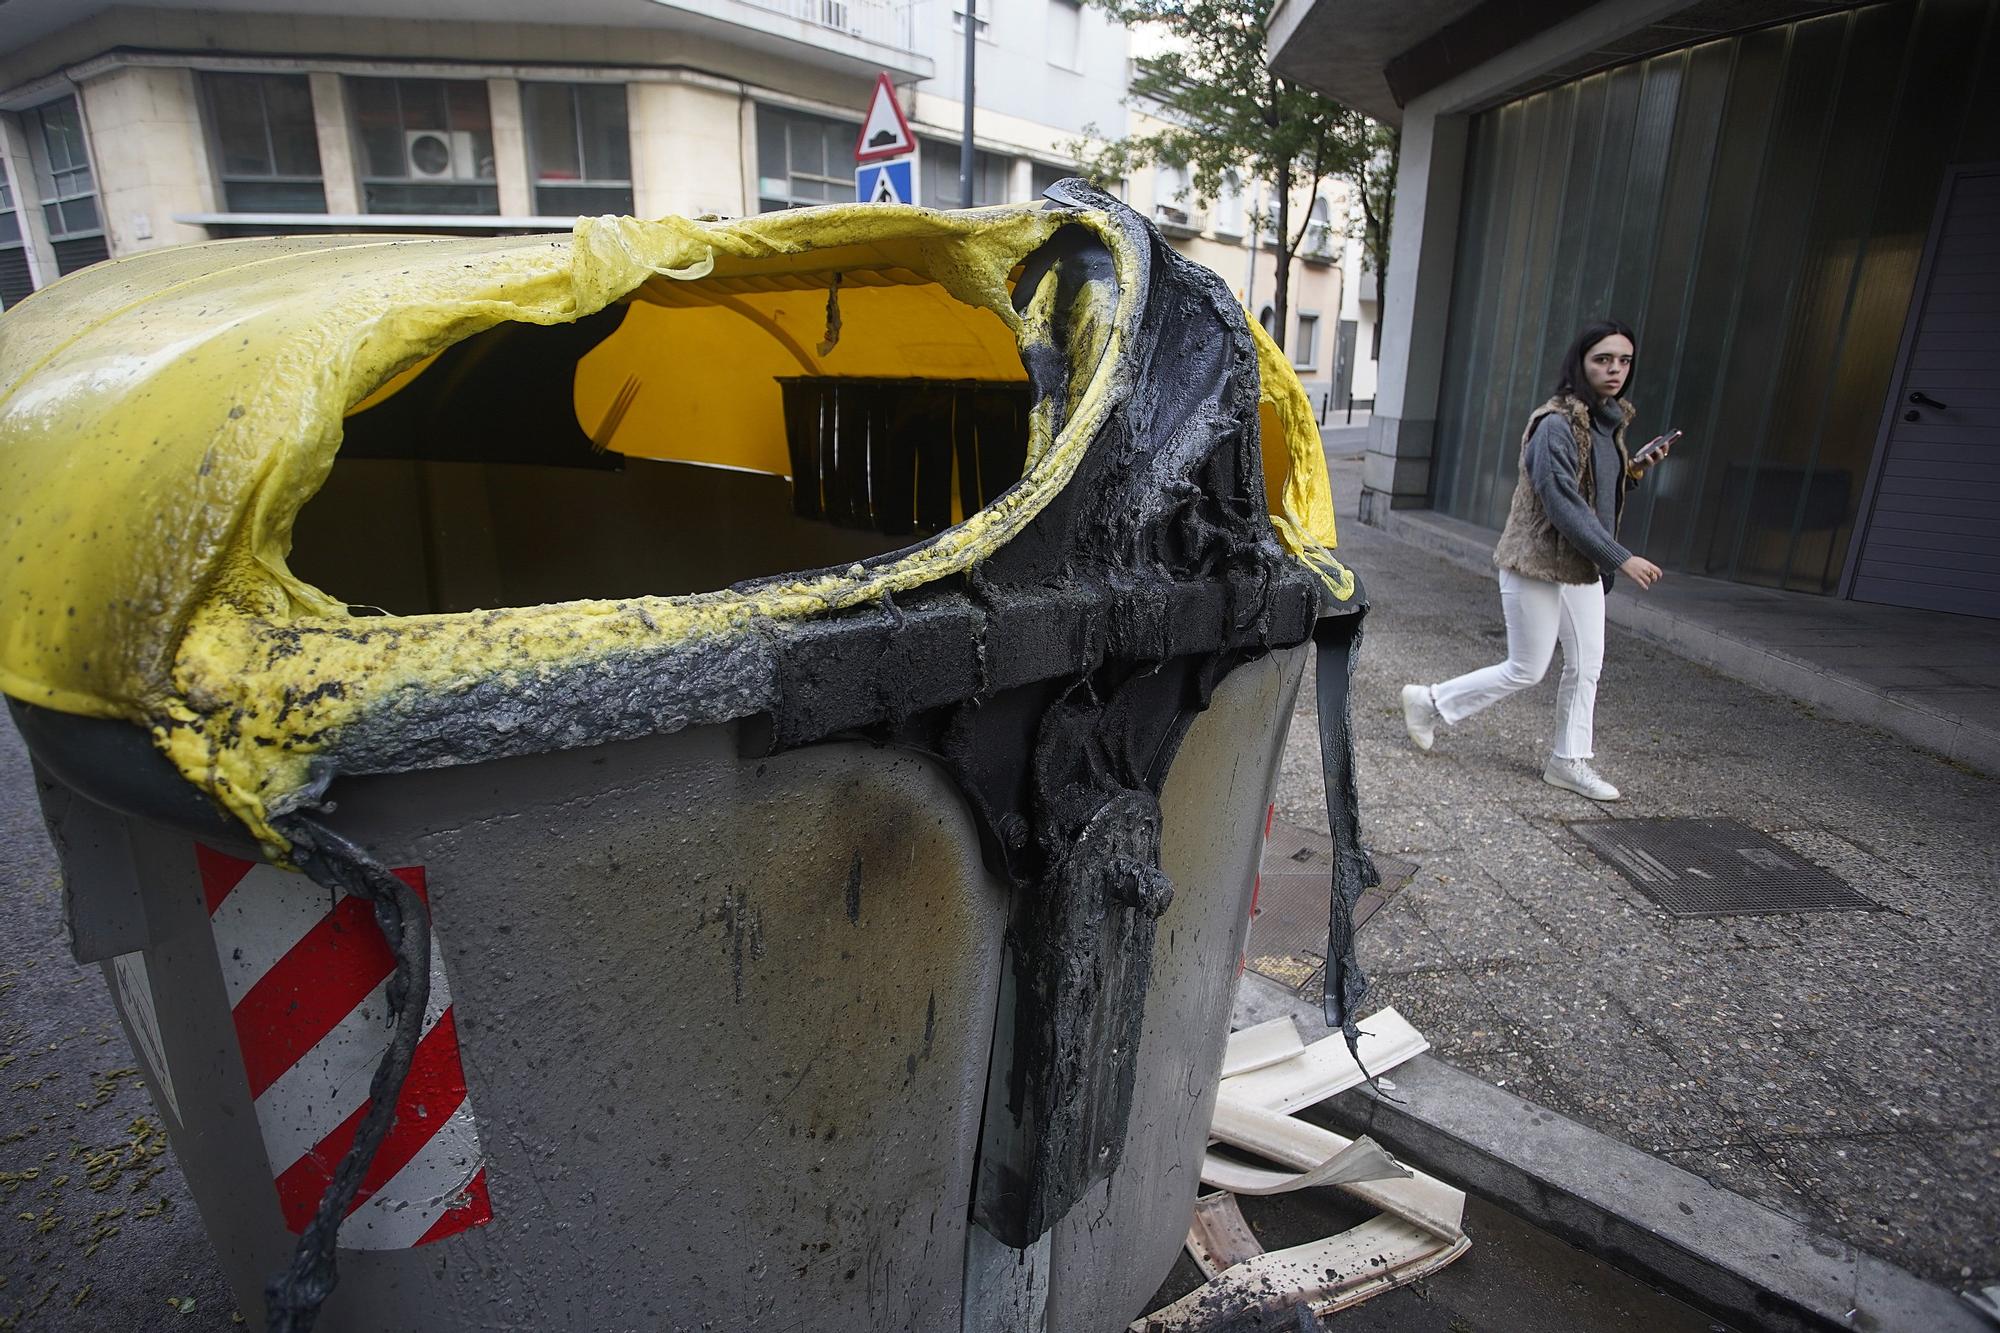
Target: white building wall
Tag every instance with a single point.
(510, 148)
(1360, 302)
(688, 150)
(149, 154)
(336, 143)
(1025, 69)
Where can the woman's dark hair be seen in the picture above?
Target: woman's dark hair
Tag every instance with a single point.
(1571, 380)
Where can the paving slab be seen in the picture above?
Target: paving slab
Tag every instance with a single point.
(98, 1230)
(1931, 678)
(1752, 1051)
(1717, 1227)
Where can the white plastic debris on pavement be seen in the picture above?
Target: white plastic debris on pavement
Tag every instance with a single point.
(1268, 1074)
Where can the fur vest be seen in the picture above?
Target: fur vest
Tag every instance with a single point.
(1530, 544)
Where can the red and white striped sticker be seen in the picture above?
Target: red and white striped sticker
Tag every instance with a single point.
(308, 988)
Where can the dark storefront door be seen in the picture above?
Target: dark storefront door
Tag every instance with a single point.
(1933, 533)
(1343, 365)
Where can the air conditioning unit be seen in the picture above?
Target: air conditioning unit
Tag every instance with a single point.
(436, 155)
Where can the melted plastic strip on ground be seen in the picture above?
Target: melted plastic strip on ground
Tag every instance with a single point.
(1357, 1163)
(1338, 640)
(1323, 1276)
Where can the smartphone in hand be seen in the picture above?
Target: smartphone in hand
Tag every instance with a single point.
(1654, 446)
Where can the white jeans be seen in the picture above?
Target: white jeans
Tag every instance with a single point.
(1538, 613)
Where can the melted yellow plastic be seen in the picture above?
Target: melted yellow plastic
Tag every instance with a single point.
(164, 417)
(701, 362)
(1295, 478)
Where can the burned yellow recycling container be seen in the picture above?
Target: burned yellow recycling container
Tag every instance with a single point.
(682, 775)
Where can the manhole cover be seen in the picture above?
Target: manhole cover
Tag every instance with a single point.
(1716, 867)
(1288, 934)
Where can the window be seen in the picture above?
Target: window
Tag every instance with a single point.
(982, 16)
(426, 145)
(1042, 176)
(1229, 206)
(579, 148)
(1172, 196)
(803, 159)
(1065, 34)
(1268, 317)
(1266, 220)
(68, 189)
(940, 176)
(1305, 348)
(15, 280)
(261, 136)
(1319, 231)
(10, 220)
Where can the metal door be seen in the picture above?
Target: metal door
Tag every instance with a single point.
(1932, 537)
(1343, 364)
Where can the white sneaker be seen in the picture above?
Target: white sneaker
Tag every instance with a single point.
(1420, 715)
(1578, 776)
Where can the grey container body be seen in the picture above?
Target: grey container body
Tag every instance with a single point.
(725, 1023)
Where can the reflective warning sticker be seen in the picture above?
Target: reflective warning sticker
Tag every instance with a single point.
(308, 980)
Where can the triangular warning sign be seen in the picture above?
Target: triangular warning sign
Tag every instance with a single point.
(884, 132)
(885, 190)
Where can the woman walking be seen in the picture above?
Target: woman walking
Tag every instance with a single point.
(1556, 558)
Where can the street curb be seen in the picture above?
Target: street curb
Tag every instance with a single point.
(1733, 1258)
(1727, 1255)
(1768, 668)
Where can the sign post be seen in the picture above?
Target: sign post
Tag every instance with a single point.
(885, 152)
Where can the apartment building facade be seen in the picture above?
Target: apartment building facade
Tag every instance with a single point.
(124, 128)
(1223, 234)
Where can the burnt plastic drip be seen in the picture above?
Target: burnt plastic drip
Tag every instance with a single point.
(292, 1298)
(890, 455)
(1337, 644)
(1098, 635)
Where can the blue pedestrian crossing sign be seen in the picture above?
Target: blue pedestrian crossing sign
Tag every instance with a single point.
(891, 182)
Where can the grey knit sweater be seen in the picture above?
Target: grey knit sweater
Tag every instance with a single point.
(1552, 470)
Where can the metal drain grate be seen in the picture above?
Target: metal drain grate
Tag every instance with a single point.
(1717, 867)
(1288, 936)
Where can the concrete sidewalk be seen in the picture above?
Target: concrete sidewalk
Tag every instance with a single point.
(1930, 678)
(1343, 439)
(1836, 1066)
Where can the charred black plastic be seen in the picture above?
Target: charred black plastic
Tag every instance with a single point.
(1055, 682)
(293, 1297)
(878, 453)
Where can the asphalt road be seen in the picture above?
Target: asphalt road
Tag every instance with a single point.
(97, 1231)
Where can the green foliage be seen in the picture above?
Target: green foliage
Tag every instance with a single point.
(1228, 110)
(1225, 111)
(1376, 191)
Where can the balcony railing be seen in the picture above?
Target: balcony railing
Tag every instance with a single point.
(879, 21)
